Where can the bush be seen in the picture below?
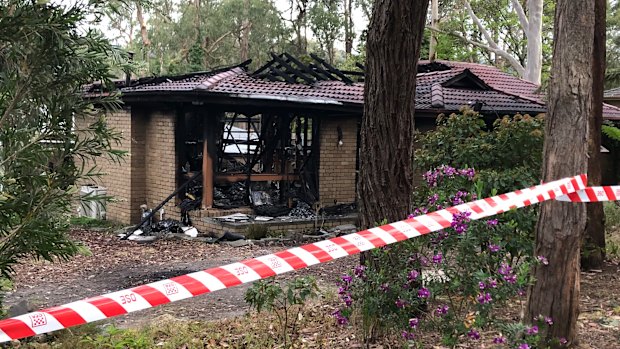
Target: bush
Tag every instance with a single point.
(455, 280)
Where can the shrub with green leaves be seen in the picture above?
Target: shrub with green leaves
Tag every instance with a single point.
(456, 280)
(46, 58)
(286, 301)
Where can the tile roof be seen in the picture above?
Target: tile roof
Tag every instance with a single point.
(613, 93)
(499, 92)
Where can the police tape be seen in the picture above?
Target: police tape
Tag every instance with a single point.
(210, 280)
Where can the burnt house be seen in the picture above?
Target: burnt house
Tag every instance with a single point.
(284, 133)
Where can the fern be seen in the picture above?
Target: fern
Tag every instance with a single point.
(612, 132)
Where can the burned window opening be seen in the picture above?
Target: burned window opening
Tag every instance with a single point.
(258, 158)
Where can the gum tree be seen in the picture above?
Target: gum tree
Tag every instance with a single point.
(555, 291)
(386, 149)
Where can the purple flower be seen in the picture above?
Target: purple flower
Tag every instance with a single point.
(459, 222)
(563, 341)
(481, 285)
(359, 271)
(499, 340)
(347, 300)
(468, 172)
(548, 320)
(504, 269)
(484, 298)
(342, 290)
(494, 248)
(524, 346)
(542, 260)
(424, 293)
(492, 283)
(511, 279)
(437, 258)
(521, 292)
(413, 322)
(433, 199)
(492, 222)
(473, 334)
(385, 288)
(442, 310)
(347, 279)
(532, 331)
(411, 215)
(340, 319)
(408, 335)
(400, 304)
(412, 275)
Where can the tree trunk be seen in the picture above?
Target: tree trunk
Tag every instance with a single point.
(348, 26)
(593, 248)
(386, 152)
(145, 37)
(244, 49)
(533, 68)
(432, 51)
(555, 291)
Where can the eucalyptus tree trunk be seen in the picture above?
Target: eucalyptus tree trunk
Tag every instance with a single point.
(555, 291)
(146, 42)
(533, 31)
(244, 49)
(386, 150)
(348, 26)
(593, 248)
(432, 51)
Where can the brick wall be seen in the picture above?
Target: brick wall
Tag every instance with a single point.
(116, 176)
(160, 160)
(337, 163)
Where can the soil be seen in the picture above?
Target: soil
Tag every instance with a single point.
(114, 265)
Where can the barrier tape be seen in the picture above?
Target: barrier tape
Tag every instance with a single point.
(210, 280)
(593, 194)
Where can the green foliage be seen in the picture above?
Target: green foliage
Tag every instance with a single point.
(45, 61)
(611, 131)
(327, 24)
(456, 279)
(286, 302)
(507, 153)
(115, 338)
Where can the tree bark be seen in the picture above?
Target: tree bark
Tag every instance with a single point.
(432, 51)
(348, 26)
(386, 151)
(533, 67)
(555, 291)
(244, 49)
(145, 36)
(593, 248)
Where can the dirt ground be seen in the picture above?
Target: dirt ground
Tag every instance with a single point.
(116, 265)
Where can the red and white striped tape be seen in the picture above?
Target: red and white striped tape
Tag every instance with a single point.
(194, 284)
(593, 194)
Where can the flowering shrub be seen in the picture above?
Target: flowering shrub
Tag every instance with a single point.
(457, 280)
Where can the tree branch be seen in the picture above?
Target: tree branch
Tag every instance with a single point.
(525, 23)
(481, 27)
(498, 51)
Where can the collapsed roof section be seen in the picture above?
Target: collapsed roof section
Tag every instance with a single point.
(442, 87)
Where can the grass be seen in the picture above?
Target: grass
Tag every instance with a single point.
(252, 331)
(92, 223)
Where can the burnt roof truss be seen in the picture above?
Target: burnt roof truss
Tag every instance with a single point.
(287, 68)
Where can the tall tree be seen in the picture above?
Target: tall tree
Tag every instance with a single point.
(45, 60)
(555, 291)
(386, 150)
(326, 24)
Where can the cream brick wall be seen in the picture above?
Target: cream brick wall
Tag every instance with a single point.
(337, 163)
(160, 161)
(116, 177)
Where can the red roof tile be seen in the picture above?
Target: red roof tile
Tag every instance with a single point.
(503, 93)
